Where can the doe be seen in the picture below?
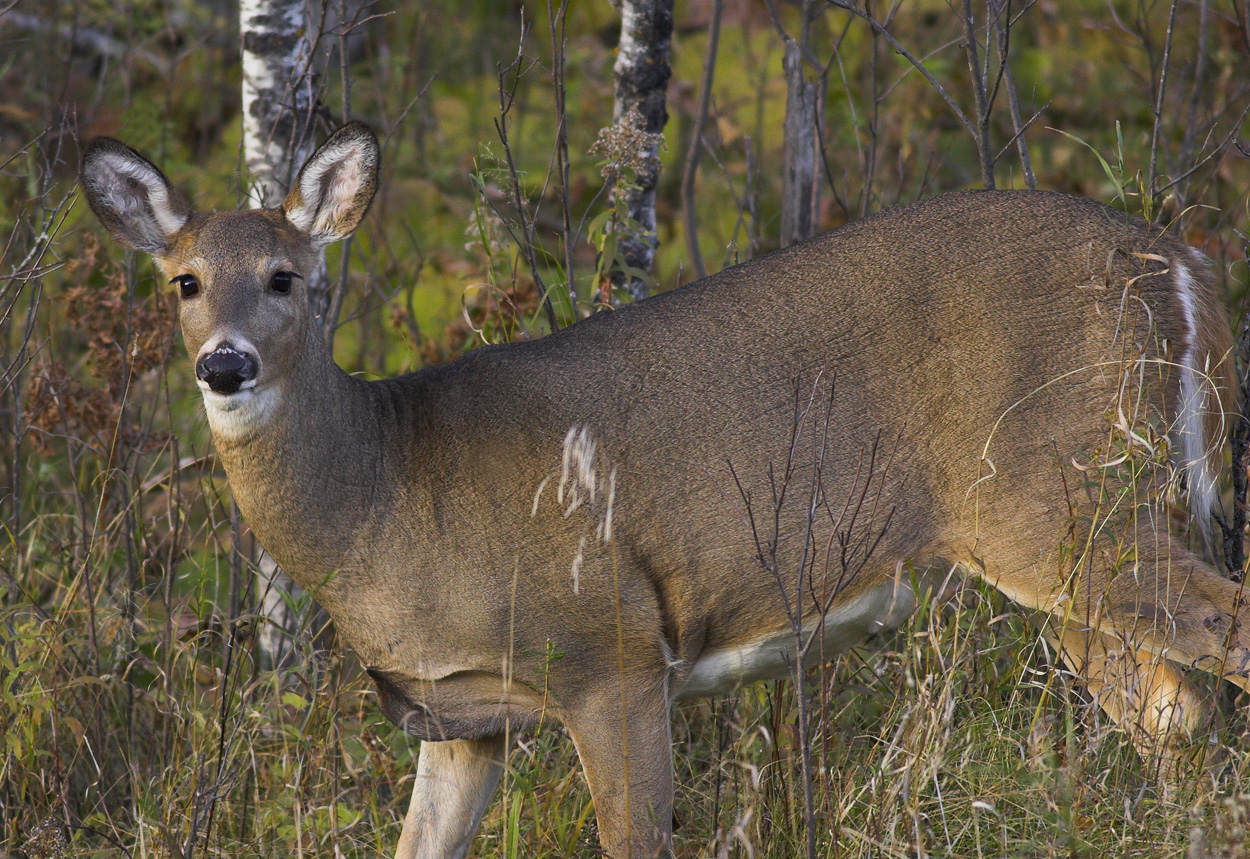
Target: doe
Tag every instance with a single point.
(1038, 371)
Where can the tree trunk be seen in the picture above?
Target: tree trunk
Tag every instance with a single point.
(279, 95)
(280, 110)
(800, 191)
(642, 71)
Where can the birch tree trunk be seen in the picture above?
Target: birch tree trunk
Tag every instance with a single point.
(280, 109)
(642, 72)
(279, 95)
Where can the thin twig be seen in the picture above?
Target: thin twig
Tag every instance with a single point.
(506, 100)
(1228, 138)
(696, 140)
(920, 67)
(557, 21)
(1196, 88)
(1234, 536)
(1013, 103)
(1158, 106)
(330, 323)
(980, 97)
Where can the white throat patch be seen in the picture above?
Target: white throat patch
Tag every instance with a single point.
(234, 417)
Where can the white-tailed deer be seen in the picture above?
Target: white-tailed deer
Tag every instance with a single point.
(1038, 368)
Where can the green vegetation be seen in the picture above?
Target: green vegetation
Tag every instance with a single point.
(137, 719)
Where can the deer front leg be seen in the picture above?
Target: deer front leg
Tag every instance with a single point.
(626, 751)
(455, 782)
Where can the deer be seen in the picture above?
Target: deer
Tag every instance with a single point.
(1056, 376)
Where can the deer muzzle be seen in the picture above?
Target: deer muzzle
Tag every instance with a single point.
(225, 370)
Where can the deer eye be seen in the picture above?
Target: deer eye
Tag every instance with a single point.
(187, 285)
(281, 281)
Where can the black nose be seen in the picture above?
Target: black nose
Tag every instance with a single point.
(225, 369)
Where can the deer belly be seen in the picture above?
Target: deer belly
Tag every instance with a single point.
(468, 705)
(845, 625)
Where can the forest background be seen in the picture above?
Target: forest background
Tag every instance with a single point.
(140, 716)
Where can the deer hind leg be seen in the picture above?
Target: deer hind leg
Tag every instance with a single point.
(1132, 626)
(1143, 693)
(455, 782)
(1168, 603)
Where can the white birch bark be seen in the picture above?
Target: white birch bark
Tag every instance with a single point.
(642, 72)
(279, 95)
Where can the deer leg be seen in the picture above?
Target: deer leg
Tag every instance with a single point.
(625, 748)
(455, 782)
(1143, 693)
(1168, 603)
(1131, 626)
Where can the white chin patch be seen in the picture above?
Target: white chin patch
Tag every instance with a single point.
(235, 416)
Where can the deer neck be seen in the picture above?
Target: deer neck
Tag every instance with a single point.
(308, 478)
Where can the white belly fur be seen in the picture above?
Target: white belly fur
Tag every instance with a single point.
(846, 625)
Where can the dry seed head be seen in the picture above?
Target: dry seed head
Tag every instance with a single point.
(47, 840)
(486, 231)
(1229, 836)
(627, 145)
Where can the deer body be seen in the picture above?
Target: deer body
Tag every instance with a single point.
(581, 526)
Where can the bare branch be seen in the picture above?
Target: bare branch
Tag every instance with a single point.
(507, 98)
(1221, 147)
(1158, 106)
(907, 55)
(982, 103)
(696, 140)
(1013, 104)
(556, 22)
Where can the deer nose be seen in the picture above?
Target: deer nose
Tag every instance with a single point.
(225, 369)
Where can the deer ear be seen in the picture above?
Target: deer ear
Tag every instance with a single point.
(335, 186)
(131, 197)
